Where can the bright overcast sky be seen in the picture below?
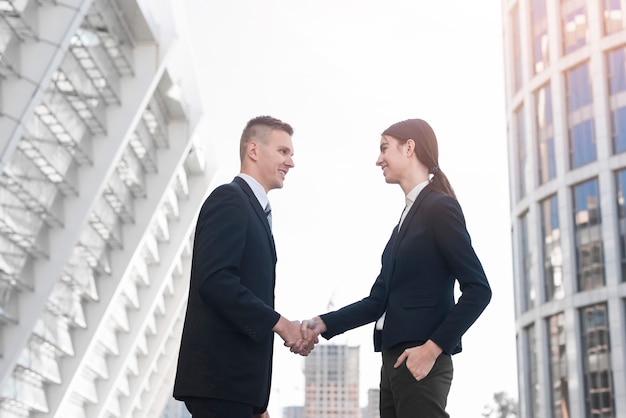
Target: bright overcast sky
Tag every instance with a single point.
(340, 72)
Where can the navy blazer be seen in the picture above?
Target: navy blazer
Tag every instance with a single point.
(416, 282)
(227, 341)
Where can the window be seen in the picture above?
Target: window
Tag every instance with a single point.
(558, 366)
(616, 64)
(620, 185)
(540, 35)
(552, 250)
(530, 293)
(596, 362)
(588, 236)
(545, 134)
(531, 374)
(613, 16)
(522, 154)
(516, 48)
(573, 24)
(582, 146)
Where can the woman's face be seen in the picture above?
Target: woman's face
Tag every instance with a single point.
(392, 159)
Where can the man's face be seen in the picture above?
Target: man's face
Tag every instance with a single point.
(274, 160)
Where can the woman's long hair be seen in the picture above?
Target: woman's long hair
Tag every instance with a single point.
(426, 150)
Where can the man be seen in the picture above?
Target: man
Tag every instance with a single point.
(225, 359)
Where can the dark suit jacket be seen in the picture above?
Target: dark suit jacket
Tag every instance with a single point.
(416, 283)
(227, 340)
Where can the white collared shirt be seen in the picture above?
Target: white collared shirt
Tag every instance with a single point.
(409, 200)
(257, 189)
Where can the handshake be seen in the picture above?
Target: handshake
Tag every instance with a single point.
(300, 337)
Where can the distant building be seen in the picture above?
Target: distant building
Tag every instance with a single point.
(565, 65)
(372, 409)
(332, 382)
(293, 412)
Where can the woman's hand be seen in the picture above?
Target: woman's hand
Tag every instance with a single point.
(419, 360)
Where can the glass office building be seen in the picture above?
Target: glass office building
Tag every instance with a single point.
(100, 183)
(565, 64)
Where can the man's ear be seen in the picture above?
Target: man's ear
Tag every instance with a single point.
(253, 151)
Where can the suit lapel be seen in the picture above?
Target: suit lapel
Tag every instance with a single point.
(256, 206)
(409, 217)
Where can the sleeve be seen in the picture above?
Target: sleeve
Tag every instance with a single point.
(364, 311)
(219, 247)
(356, 314)
(453, 240)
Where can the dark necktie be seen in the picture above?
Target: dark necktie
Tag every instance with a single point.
(268, 213)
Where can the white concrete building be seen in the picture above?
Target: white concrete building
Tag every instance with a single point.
(331, 378)
(100, 183)
(566, 107)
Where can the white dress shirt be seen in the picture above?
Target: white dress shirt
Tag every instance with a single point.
(257, 189)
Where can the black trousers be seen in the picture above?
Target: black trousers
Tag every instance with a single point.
(217, 408)
(402, 396)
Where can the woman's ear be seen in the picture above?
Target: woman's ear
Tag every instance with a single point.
(410, 147)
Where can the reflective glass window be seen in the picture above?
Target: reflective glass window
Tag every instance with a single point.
(532, 380)
(596, 362)
(559, 387)
(616, 63)
(522, 153)
(540, 35)
(578, 87)
(583, 144)
(588, 236)
(613, 16)
(516, 47)
(618, 130)
(620, 182)
(530, 293)
(617, 72)
(552, 249)
(545, 134)
(573, 24)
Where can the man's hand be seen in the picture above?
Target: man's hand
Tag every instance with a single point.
(419, 360)
(311, 329)
(288, 330)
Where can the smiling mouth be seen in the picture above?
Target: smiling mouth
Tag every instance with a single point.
(283, 172)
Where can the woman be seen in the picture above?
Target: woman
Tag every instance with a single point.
(418, 324)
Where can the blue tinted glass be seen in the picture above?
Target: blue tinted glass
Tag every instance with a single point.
(554, 213)
(586, 192)
(579, 88)
(548, 90)
(621, 193)
(618, 123)
(551, 159)
(575, 30)
(617, 71)
(583, 146)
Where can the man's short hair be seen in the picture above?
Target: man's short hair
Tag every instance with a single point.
(260, 128)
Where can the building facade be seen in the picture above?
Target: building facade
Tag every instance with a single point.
(331, 377)
(100, 182)
(565, 65)
(293, 412)
(372, 409)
